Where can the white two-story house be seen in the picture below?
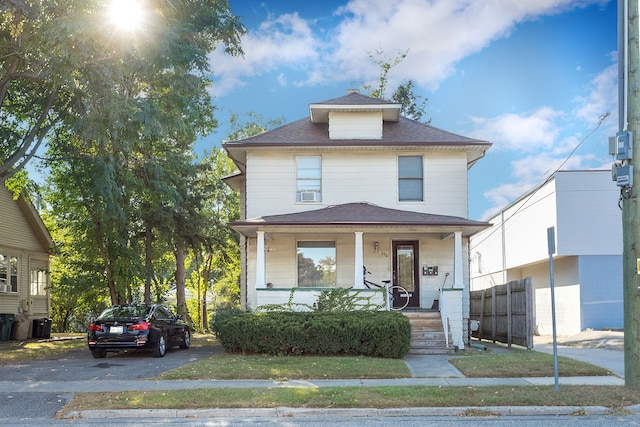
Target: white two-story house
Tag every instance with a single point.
(355, 185)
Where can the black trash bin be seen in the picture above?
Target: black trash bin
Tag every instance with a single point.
(42, 328)
(6, 323)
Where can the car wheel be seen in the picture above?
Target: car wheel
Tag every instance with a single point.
(186, 339)
(161, 347)
(99, 353)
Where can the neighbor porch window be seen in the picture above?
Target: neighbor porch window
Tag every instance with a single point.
(38, 282)
(410, 179)
(316, 264)
(308, 179)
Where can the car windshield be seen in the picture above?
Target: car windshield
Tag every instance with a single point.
(125, 312)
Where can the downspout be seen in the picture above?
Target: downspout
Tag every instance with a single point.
(504, 252)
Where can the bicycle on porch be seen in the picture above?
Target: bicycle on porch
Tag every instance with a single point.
(397, 297)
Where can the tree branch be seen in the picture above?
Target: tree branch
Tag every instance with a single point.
(28, 139)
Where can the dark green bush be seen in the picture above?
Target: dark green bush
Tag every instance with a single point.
(368, 333)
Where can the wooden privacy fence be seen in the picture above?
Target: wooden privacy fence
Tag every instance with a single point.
(504, 313)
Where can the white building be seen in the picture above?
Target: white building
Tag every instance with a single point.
(582, 206)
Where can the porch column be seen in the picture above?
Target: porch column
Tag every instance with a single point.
(359, 262)
(458, 280)
(260, 265)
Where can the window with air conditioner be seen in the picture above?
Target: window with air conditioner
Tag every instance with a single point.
(9, 272)
(308, 179)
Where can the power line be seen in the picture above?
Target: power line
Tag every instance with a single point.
(601, 119)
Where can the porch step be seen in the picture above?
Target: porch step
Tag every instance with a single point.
(427, 333)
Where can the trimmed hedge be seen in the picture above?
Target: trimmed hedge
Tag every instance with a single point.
(367, 333)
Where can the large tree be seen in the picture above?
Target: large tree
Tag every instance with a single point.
(121, 155)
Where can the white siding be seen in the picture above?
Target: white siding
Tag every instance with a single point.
(446, 183)
(524, 227)
(15, 230)
(350, 125)
(360, 176)
(581, 205)
(17, 238)
(271, 184)
(589, 219)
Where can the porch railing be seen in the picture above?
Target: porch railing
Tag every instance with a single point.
(444, 317)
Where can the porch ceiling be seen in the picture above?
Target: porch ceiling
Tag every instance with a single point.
(363, 217)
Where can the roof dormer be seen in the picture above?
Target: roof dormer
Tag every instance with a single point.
(354, 116)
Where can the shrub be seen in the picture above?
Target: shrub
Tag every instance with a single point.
(368, 333)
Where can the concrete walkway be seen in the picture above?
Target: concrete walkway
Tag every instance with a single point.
(612, 360)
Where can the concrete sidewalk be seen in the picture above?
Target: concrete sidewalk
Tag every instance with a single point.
(149, 385)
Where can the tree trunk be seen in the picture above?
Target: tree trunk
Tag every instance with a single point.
(180, 276)
(148, 247)
(203, 306)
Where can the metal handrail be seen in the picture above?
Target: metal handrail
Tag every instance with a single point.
(444, 317)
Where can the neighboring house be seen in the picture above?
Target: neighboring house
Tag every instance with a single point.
(355, 184)
(582, 206)
(25, 246)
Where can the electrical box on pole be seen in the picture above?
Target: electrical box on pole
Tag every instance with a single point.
(621, 145)
(621, 148)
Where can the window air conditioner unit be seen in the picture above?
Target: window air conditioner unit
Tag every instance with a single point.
(308, 196)
(5, 288)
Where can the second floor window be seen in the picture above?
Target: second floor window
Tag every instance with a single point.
(410, 179)
(308, 179)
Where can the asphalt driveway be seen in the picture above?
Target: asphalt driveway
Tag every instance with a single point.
(79, 365)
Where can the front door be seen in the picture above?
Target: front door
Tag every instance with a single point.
(405, 269)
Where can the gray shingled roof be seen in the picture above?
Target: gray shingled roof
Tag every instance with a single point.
(303, 132)
(405, 131)
(359, 214)
(355, 98)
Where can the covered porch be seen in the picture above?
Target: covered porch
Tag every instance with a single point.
(291, 258)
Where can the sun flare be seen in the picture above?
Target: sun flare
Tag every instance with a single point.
(127, 15)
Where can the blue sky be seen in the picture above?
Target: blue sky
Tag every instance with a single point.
(533, 77)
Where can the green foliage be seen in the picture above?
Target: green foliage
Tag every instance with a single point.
(369, 333)
(411, 105)
(344, 299)
(332, 299)
(120, 116)
(251, 125)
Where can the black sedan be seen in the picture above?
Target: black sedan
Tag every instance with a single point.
(124, 327)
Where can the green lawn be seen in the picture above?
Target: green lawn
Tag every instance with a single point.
(516, 363)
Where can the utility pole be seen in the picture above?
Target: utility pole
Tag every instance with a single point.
(629, 113)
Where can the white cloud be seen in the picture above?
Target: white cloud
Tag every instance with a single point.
(283, 41)
(602, 96)
(523, 132)
(548, 144)
(437, 33)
